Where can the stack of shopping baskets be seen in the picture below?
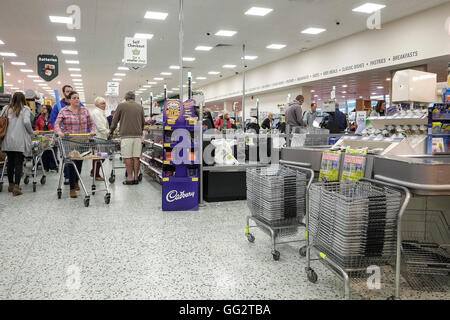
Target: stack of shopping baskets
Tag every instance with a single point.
(276, 199)
(353, 226)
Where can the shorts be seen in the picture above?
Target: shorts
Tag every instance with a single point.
(130, 148)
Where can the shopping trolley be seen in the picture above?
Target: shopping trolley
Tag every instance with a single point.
(84, 147)
(277, 199)
(354, 226)
(41, 143)
(112, 157)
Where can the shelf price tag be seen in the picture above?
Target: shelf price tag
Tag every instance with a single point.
(167, 128)
(194, 179)
(166, 144)
(165, 179)
(166, 162)
(171, 121)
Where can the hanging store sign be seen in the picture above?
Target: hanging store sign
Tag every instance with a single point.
(135, 53)
(47, 66)
(112, 89)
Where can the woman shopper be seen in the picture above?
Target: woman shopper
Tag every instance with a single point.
(43, 124)
(17, 141)
(101, 130)
(380, 109)
(74, 119)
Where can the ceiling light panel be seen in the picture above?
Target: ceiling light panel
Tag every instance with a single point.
(225, 33)
(166, 73)
(213, 72)
(158, 79)
(203, 48)
(75, 75)
(201, 78)
(123, 68)
(120, 74)
(229, 66)
(116, 79)
(250, 57)
(174, 67)
(276, 46)
(70, 52)
(189, 59)
(313, 31)
(26, 70)
(74, 69)
(154, 15)
(16, 63)
(72, 62)
(32, 76)
(369, 7)
(1, 42)
(58, 19)
(147, 36)
(66, 39)
(258, 11)
(8, 54)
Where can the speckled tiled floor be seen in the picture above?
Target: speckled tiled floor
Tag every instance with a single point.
(130, 249)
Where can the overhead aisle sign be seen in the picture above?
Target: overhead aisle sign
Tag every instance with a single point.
(47, 66)
(112, 89)
(135, 52)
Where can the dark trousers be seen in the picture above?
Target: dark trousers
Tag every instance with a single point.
(48, 161)
(73, 178)
(15, 166)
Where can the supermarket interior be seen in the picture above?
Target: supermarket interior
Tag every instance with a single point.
(225, 150)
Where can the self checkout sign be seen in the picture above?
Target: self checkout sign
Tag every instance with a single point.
(47, 66)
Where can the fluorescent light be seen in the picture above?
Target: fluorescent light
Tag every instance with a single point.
(15, 63)
(32, 76)
(201, 78)
(168, 91)
(152, 82)
(75, 75)
(158, 79)
(344, 92)
(203, 48)
(38, 80)
(143, 36)
(276, 46)
(72, 62)
(15, 88)
(388, 79)
(174, 67)
(369, 7)
(175, 89)
(66, 39)
(1, 42)
(250, 57)
(147, 86)
(116, 79)
(156, 15)
(8, 54)
(374, 93)
(56, 19)
(166, 73)
(26, 70)
(344, 86)
(213, 72)
(77, 80)
(190, 59)
(380, 87)
(229, 66)
(258, 11)
(8, 85)
(42, 84)
(225, 33)
(312, 91)
(71, 52)
(120, 74)
(313, 30)
(74, 69)
(123, 68)
(8, 74)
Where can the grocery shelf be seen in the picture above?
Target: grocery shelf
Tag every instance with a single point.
(158, 172)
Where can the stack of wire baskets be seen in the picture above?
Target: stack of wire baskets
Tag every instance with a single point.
(426, 250)
(276, 196)
(354, 225)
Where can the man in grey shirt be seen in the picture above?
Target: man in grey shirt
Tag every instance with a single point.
(294, 114)
(310, 115)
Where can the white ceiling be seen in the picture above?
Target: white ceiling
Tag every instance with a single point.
(26, 30)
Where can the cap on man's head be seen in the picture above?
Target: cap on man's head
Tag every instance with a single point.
(130, 96)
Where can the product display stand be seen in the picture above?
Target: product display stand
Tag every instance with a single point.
(180, 170)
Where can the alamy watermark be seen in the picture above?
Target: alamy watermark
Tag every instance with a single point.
(73, 280)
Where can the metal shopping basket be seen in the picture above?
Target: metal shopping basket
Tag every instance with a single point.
(354, 226)
(85, 147)
(277, 197)
(41, 143)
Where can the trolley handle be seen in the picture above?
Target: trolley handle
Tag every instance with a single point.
(301, 167)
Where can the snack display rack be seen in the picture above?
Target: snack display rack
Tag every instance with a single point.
(180, 167)
(439, 129)
(152, 157)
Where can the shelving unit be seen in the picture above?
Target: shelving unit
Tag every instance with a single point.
(151, 163)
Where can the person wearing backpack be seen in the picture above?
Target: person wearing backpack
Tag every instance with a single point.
(17, 140)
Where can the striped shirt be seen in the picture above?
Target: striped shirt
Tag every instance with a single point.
(72, 123)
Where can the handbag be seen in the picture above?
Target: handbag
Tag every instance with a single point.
(3, 123)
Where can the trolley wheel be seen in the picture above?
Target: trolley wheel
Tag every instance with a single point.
(34, 186)
(112, 179)
(140, 177)
(250, 237)
(43, 179)
(59, 193)
(26, 180)
(107, 198)
(276, 255)
(312, 275)
(1, 186)
(86, 202)
(302, 251)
